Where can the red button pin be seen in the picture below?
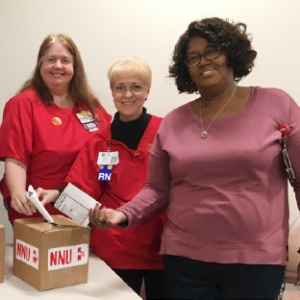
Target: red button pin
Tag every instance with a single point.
(284, 129)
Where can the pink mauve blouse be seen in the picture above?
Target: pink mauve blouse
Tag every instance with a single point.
(226, 196)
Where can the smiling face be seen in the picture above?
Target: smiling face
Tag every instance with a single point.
(57, 67)
(129, 94)
(208, 73)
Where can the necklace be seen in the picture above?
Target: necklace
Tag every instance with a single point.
(204, 133)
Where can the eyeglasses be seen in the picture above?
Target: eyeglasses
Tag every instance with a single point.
(134, 89)
(194, 59)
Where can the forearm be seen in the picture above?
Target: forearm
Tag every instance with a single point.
(15, 176)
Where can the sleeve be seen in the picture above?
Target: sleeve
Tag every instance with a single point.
(153, 198)
(84, 171)
(16, 133)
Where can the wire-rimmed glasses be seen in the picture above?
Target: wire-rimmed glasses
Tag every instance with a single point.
(122, 89)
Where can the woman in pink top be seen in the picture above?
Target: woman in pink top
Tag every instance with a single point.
(46, 124)
(216, 165)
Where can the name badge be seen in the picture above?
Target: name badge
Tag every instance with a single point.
(87, 120)
(108, 158)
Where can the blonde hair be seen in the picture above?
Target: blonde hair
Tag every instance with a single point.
(129, 66)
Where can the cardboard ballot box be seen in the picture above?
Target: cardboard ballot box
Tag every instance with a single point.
(2, 252)
(48, 256)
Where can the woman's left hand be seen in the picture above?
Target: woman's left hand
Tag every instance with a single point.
(47, 196)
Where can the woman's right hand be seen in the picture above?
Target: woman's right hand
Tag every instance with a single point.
(21, 204)
(105, 218)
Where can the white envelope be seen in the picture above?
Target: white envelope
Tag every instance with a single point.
(76, 204)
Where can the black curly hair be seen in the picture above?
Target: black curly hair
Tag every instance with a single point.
(230, 38)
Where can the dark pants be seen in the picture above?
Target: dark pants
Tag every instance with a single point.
(153, 281)
(192, 279)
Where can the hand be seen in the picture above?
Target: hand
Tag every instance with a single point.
(105, 218)
(47, 196)
(21, 204)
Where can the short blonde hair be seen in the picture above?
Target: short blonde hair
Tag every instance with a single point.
(129, 66)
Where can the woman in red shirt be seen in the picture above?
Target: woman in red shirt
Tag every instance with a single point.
(134, 253)
(46, 124)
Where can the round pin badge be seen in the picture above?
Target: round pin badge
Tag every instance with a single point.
(284, 129)
(56, 121)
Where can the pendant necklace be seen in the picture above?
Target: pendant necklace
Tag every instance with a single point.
(204, 133)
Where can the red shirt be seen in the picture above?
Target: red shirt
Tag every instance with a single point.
(136, 247)
(46, 139)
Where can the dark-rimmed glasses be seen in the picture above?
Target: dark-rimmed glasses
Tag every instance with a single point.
(195, 59)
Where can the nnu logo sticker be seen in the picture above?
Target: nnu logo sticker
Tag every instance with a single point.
(65, 257)
(27, 253)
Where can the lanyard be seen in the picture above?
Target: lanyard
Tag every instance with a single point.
(285, 130)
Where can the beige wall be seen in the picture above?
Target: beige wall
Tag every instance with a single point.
(106, 30)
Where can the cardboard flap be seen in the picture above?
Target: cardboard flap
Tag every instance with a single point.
(41, 225)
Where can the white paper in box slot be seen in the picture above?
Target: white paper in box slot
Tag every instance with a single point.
(31, 194)
(76, 204)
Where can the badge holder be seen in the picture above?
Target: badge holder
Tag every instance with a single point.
(87, 120)
(285, 130)
(106, 161)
